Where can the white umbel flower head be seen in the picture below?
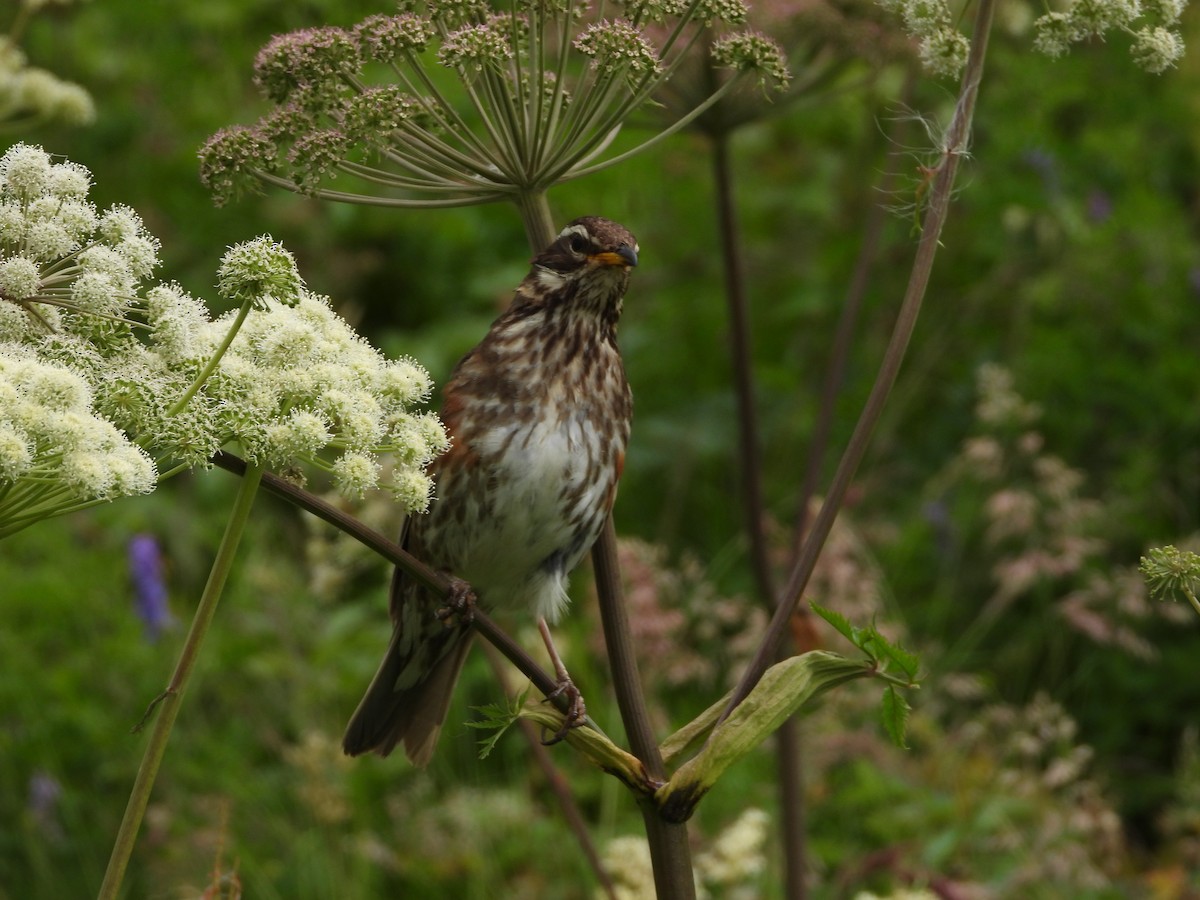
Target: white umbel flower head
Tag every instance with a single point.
(52, 438)
(104, 380)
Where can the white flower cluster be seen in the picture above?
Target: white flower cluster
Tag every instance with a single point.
(736, 856)
(69, 276)
(1153, 24)
(727, 868)
(943, 49)
(29, 95)
(627, 861)
(55, 452)
(102, 377)
(64, 266)
(296, 385)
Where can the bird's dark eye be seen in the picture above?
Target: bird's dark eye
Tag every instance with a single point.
(579, 244)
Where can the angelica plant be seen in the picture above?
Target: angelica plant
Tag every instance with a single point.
(109, 384)
(1170, 571)
(30, 95)
(1156, 43)
(539, 91)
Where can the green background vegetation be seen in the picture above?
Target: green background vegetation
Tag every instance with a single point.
(1071, 260)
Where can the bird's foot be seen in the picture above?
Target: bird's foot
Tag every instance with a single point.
(576, 712)
(459, 610)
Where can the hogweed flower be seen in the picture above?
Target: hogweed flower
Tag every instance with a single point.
(1156, 46)
(541, 90)
(752, 52)
(1157, 49)
(298, 385)
(108, 385)
(1170, 571)
(736, 856)
(30, 96)
(944, 51)
(63, 264)
(258, 272)
(55, 451)
(727, 867)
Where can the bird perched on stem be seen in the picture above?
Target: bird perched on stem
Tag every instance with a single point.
(538, 414)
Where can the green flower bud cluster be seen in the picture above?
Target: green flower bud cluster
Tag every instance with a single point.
(942, 48)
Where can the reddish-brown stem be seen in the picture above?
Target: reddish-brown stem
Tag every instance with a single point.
(955, 148)
(749, 445)
(835, 371)
(787, 747)
(395, 554)
(669, 851)
(558, 783)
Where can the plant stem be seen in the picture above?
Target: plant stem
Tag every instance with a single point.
(669, 850)
(1187, 592)
(749, 444)
(940, 196)
(397, 556)
(212, 364)
(169, 701)
(788, 737)
(670, 853)
(835, 371)
(534, 208)
(558, 783)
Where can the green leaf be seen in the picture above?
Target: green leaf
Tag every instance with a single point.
(783, 689)
(895, 716)
(839, 622)
(871, 642)
(907, 661)
(498, 717)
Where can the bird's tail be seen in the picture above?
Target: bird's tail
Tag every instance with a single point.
(408, 698)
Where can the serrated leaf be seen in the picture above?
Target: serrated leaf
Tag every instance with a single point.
(895, 716)
(908, 661)
(840, 623)
(883, 650)
(497, 717)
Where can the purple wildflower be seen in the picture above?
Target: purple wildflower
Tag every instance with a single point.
(44, 793)
(149, 587)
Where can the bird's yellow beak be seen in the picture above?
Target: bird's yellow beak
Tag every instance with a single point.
(622, 256)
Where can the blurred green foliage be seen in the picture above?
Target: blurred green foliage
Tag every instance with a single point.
(1071, 259)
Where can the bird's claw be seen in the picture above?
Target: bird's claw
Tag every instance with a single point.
(574, 715)
(460, 605)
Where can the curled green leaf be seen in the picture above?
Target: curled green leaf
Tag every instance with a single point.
(783, 689)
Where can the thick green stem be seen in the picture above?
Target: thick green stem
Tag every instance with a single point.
(169, 701)
(539, 223)
(1187, 592)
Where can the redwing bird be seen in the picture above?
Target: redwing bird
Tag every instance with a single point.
(538, 413)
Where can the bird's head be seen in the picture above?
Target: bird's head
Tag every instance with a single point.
(589, 261)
